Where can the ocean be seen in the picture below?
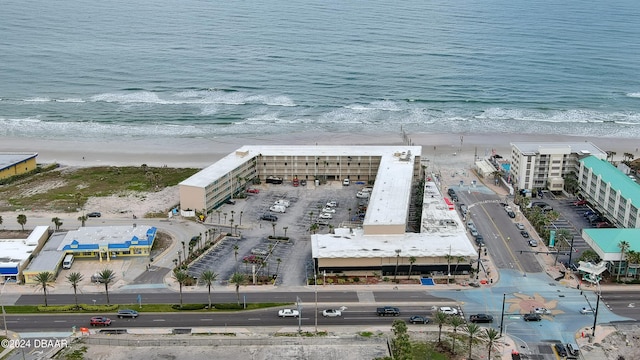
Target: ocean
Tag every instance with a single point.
(86, 70)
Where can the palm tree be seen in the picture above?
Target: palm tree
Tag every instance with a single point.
(492, 337)
(218, 211)
(232, 213)
(412, 260)
(74, 279)
(624, 246)
(225, 217)
(56, 221)
(273, 225)
(395, 274)
(82, 219)
(22, 219)
(238, 279)
(285, 228)
(459, 259)
(181, 277)
(472, 330)
(240, 218)
(44, 279)
(0, 220)
(106, 276)
(235, 254)
(208, 277)
(455, 322)
(440, 319)
(278, 260)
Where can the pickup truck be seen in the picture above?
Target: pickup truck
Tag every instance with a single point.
(481, 318)
(388, 311)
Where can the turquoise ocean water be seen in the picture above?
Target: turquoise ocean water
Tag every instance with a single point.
(196, 68)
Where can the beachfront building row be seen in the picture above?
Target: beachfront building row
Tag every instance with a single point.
(540, 166)
(382, 244)
(211, 187)
(12, 164)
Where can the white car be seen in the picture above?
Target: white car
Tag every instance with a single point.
(542, 311)
(288, 313)
(520, 226)
(332, 203)
(331, 313)
(325, 216)
(329, 210)
(448, 310)
(346, 182)
(586, 311)
(363, 195)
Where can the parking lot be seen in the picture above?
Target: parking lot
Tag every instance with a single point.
(290, 259)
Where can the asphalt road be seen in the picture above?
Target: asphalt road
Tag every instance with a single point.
(353, 316)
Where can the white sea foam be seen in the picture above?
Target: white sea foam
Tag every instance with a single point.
(70, 100)
(634, 95)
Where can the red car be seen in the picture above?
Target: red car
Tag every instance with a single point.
(253, 191)
(100, 321)
(580, 202)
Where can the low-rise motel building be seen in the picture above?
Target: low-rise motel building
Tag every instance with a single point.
(12, 164)
(382, 244)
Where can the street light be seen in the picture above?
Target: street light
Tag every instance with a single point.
(315, 288)
(502, 315)
(4, 314)
(479, 252)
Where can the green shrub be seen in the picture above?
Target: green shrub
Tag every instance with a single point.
(228, 307)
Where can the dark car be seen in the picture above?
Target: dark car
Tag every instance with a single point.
(127, 313)
(561, 350)
(524, 234)
(481, 318)
(511, 214)
(479, 240)
(100, 321)
(417, 319)
(94, 214)
(269, 217)
(532, 317)
(230, 202)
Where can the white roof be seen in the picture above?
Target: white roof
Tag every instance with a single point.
(389, 200)
(14, 252)
(104, 235)
(581, 148)
(246, 153)
(354, 244)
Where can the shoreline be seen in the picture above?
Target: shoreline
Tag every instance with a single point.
(202, 152)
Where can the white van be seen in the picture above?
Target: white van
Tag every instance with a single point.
(278, 208)
(67, 262)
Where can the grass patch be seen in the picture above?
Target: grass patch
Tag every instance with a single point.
(65, 190)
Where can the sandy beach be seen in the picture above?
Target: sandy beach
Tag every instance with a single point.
(202, 152)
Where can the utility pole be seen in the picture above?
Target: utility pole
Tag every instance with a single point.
(502, 315)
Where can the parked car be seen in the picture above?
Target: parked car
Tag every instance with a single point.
(278, 208)
(253, 191)
(417, 319)
(260, 252)
(532, 317)
(474, 233)
(481, 318)
(288, 313)
(580, 202)
(542, 311)
(346, 182)
(332, 203)
(269, 217)
(480, 240)
(322, 222)
(94, 214)
(123, 313)
(327, 209)
(274, 180)
(100, 321)
(230, 202)
(303, 182)
(524, 234)
(533, 243)
(511, 214)
(331, 313)
(448, 310)
(363, 195)
(325, 216)
(586, 311)
(520, 226)
(561, 350)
